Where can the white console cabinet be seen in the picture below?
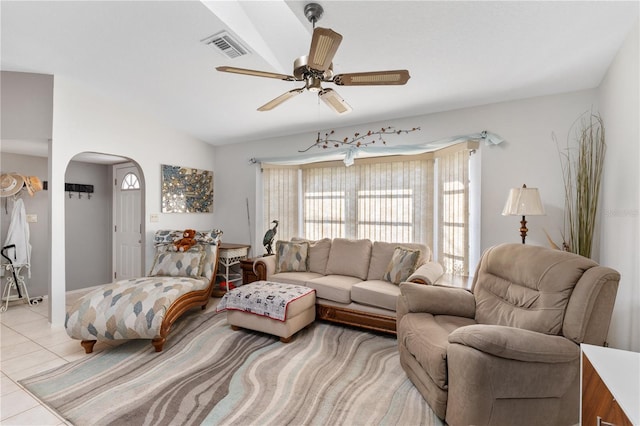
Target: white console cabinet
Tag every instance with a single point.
(610, 387)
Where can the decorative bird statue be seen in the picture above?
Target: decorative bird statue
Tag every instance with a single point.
(269, 236)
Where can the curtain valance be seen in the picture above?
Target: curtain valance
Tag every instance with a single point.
(348, 155)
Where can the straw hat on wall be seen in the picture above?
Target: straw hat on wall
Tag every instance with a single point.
(10, 184)
(33, 184)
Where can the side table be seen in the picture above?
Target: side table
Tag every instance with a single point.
(230, 255)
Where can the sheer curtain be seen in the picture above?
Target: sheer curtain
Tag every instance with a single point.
(280, 200)
(453, 208)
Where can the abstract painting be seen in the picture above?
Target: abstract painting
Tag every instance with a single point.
(186, 190)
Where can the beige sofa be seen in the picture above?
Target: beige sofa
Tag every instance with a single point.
(507, 353)
(348, 276)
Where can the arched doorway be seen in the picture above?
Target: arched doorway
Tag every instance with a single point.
(90, 237)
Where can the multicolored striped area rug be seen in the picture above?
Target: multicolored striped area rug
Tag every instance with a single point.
(209, 374)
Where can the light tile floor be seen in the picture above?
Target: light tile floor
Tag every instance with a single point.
(30, 345)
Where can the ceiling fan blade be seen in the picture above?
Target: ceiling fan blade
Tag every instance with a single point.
(280, 99)
(372, 78)
(335, 101)
(324, 45)
(257, 73)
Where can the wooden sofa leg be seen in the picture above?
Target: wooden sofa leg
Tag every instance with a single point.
(286, 339)
(88, 345)
(158, 343)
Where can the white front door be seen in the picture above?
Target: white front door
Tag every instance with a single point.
(127, 218)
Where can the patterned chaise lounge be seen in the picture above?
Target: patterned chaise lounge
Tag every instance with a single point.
(145, 308)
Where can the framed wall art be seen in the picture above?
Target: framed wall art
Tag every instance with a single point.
(186, 190)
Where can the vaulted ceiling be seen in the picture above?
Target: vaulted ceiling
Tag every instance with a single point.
(150, 55)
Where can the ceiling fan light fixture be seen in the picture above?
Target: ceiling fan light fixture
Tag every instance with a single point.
(334, 101)
(313, 84)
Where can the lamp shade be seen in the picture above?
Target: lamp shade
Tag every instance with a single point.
(523, 202)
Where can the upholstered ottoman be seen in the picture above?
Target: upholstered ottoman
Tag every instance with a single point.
(274, 308)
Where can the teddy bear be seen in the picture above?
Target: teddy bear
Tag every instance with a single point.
(187, 241)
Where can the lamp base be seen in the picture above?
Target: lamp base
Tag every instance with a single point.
(523, 229)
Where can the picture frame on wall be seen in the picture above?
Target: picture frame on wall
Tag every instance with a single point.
(186, 190)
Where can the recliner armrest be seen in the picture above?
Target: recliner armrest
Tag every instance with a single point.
(264, 267)
(437, 300)
(516, 343)
(428, 273)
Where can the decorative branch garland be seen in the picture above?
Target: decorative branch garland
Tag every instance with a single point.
(357, 140)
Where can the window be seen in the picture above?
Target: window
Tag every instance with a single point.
(381, 199)
(130, 182)
(391, 199)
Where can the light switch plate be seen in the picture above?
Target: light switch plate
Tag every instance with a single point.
(32, 218)
(154, 217)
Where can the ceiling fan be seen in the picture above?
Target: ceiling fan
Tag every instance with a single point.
(317, 68)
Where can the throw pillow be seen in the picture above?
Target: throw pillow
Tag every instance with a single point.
(177, 264)
(318, 254)
(291, 256)
(402, 264)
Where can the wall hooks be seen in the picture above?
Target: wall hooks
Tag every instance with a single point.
(79, 188)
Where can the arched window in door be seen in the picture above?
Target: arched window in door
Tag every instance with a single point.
(130, 182)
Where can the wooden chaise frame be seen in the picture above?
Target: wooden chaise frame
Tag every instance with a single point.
(176, 309)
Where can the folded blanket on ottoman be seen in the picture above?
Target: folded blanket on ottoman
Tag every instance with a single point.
(264, 298)
(274, 308)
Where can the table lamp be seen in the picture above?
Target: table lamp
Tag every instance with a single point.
(523, 202)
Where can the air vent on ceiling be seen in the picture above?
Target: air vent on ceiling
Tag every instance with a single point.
(227, 44)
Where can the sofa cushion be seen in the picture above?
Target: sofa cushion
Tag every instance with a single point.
(349, 257)
(291, 256)
(334, 287)
(382, 294)
(382, 252)
(426, 337)
(402, 264)
(299, 278)
(318, 254)
(526, 287)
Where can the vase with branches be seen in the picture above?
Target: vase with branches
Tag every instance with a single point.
(582, 162)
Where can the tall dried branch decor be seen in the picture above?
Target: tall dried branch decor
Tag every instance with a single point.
(582, 162)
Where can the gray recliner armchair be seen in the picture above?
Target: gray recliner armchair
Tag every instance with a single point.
(508, 351)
